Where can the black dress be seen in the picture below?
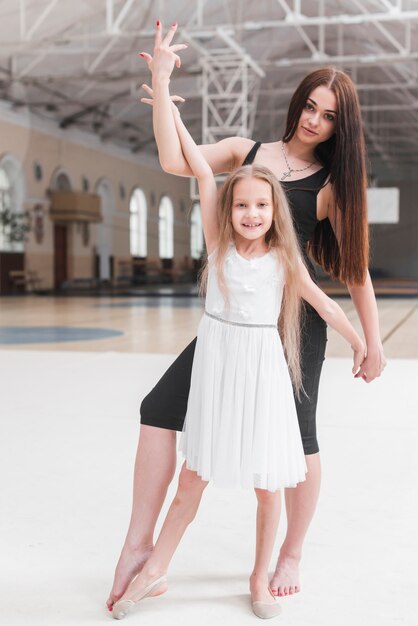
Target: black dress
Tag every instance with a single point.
(165, 406)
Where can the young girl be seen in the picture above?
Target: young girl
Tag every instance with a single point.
(241, 425)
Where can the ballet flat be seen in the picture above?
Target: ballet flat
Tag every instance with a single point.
(123, 606)
(265, 610)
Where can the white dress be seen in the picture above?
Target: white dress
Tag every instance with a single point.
(241, 426)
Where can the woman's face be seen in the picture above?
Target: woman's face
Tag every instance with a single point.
(318, 120)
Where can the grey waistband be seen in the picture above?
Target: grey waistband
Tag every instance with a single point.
(219, 319)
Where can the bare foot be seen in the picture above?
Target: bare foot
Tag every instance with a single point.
(285, 581)
(259, 589)
(129, 565)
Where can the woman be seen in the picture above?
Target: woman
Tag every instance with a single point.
(321, 163)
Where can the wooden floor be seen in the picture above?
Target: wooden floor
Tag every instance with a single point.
(166, 325)
(70, 423)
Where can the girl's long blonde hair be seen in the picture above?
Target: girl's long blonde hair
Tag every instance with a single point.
(281, 238)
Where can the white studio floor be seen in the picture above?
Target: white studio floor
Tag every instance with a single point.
(69, 433)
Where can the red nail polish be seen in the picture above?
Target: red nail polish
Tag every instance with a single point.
(158, 22)
(174, 23)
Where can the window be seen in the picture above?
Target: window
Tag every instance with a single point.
(62, 182)
(104, 231)
(11, 197)
(5, 203)
(138, 224)
(196, 232)
(165, 228)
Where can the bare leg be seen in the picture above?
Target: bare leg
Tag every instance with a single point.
(268, 515)
(181, 513)
(300, 508)
(151, 481)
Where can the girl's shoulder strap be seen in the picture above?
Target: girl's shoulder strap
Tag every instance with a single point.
(251, 155)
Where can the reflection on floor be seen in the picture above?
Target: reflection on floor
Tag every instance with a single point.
(399, 287)
(69, 434)
(166, 325)
(12, 335)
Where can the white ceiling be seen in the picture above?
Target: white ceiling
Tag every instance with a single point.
(75, 62)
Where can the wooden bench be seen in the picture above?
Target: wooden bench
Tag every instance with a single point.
(24, 280)
(152, 270)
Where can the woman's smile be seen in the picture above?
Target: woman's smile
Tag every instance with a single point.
(310, 131)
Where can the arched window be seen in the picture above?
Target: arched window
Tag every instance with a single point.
(196, 232)
(105, 230)
(138, 224)
(62, 182)
(5, 204)
(165, 228)
(11, 197)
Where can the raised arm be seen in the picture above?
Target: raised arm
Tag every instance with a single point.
(332, 313)
(205, 179)
(223, 156)
(176, 133)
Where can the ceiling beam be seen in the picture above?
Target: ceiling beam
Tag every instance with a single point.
(29, 67)
(29, 34)
(241, 52)
(361, 60)
(382, 29)
(330, 20)
(94, 108)
(411, 84)
(399, 16)
(113, 29)
(113, 25)
(22, 18)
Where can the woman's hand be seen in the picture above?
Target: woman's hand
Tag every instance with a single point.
(359, 353)
(150, 100)
(161, 65)
(373, 365)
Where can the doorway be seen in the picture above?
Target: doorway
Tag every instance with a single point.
(105, 231)
(60, 255)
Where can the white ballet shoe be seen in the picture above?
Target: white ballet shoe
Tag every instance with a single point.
(123, 606)
(266, 610)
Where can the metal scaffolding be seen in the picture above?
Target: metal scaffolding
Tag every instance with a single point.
(75, 64)
(230, 86)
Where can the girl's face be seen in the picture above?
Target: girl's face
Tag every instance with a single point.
(318, 120)
(252, 209)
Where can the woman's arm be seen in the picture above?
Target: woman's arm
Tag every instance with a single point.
(333, 315)
(176, 133)
(223, 156)
(364, 301)
(206, 182)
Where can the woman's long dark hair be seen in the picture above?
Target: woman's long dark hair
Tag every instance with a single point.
(344, 156)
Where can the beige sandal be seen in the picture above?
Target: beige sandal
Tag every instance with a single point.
(265, 610)
(123, 606)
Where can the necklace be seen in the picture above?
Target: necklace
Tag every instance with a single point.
(290, 170)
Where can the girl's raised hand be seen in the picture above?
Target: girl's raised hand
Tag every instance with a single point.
(161, 65)
(150, 100)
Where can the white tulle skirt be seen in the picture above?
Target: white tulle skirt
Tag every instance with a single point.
(241, 426)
